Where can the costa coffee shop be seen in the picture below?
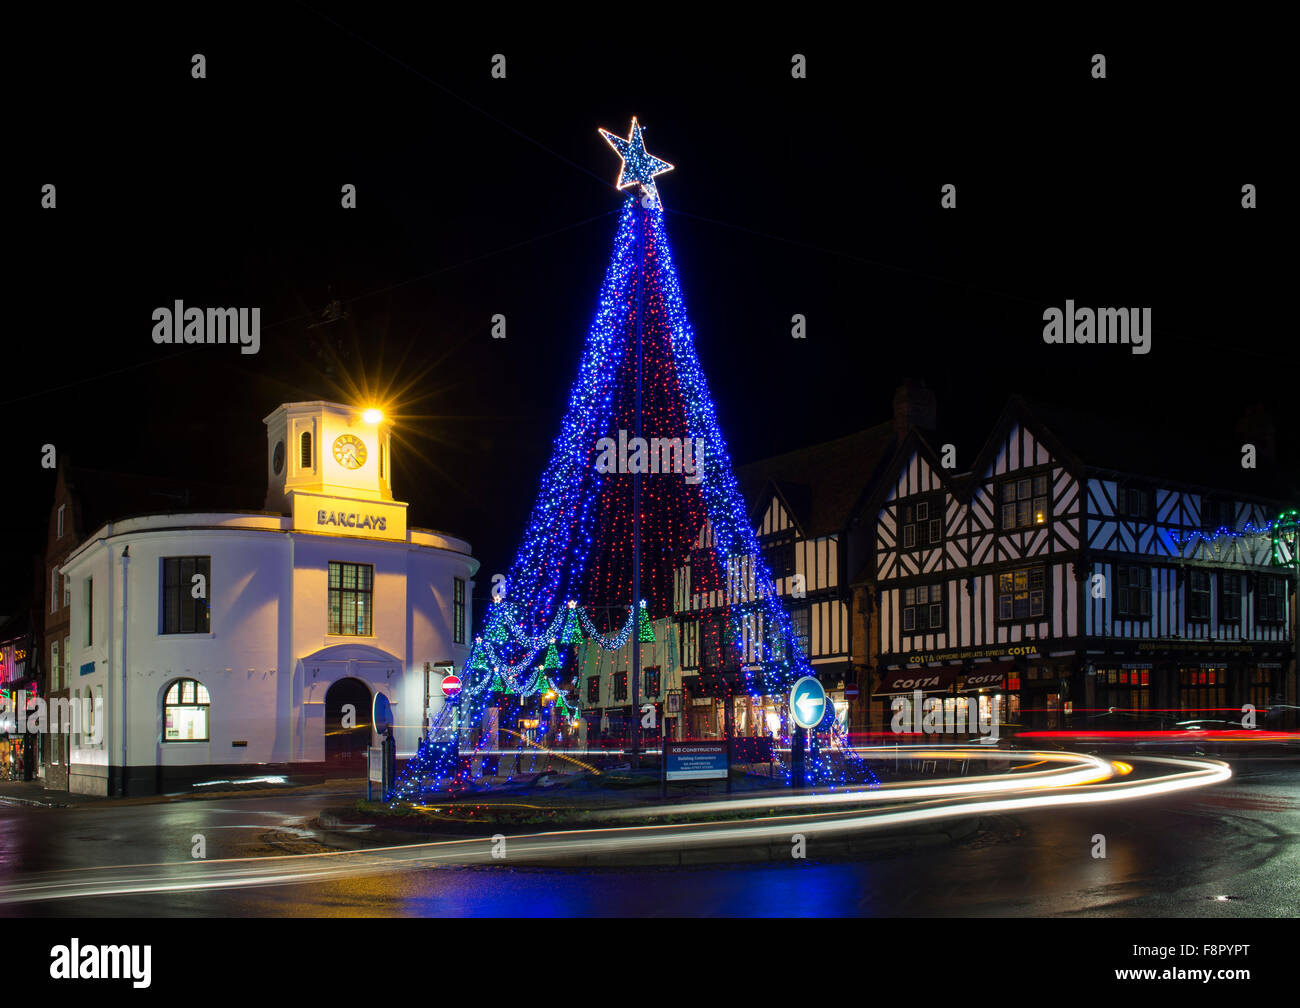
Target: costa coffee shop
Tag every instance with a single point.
(1014, 678)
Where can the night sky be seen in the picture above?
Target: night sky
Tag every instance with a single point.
(479, 196)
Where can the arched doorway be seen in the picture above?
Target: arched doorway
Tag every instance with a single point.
(346, 745)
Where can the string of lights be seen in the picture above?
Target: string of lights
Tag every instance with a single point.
(1249, 530)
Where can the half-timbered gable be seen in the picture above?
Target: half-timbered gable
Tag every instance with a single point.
(995, 564)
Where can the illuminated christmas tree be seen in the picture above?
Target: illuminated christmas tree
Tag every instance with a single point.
(639, 466)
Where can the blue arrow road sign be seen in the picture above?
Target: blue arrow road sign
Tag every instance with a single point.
(807, 702)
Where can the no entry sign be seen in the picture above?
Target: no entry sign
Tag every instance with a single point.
(451, 686)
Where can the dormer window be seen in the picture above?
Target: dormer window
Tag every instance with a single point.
(305, 443)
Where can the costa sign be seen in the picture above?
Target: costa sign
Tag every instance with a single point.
(917, 682)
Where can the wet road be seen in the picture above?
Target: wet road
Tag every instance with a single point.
(1228, 850)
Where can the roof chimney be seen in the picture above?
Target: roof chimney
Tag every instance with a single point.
(914, 406)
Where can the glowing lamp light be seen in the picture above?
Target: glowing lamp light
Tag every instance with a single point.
(372, 415)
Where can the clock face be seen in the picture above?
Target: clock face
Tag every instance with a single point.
(277, 457)
(350, 452)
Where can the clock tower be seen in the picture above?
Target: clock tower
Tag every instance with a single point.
(330, 467)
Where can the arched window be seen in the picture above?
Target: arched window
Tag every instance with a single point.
(185, 712)
(381, 460)
(305, 441)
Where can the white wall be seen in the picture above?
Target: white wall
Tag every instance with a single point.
(269, 612)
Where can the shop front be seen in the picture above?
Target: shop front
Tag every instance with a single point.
(1264, 689)
(19, 751)
(1043, 696)
(1203, 693)
(909, 683)
(13, 757)
(987, 687)
(1120, 696)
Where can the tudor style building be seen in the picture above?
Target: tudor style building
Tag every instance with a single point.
(1061, 574)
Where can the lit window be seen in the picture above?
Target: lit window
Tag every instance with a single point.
(1022, 594)
(185, 712)
(1025, 502)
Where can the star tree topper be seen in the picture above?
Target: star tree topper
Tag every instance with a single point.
(639, 167)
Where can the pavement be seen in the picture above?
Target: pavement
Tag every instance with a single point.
(35, 794)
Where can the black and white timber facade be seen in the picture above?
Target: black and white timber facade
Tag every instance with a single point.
(1082, 594)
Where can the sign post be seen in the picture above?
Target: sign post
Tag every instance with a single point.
(807, 708)
(375, 774)
(451, 691)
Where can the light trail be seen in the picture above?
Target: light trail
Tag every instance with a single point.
(822, 815)
(1079, 769)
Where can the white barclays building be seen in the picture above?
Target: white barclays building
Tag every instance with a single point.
(229, 645)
